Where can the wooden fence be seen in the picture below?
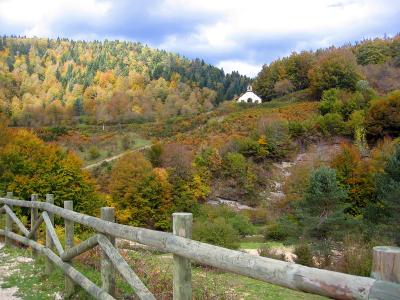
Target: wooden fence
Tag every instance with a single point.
(297, 277)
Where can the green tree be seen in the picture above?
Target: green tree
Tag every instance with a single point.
(385, 213)
(322, 209)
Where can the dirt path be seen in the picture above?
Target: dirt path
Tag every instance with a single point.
(108, 159)
(7, 267)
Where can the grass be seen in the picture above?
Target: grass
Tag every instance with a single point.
(95, 145)
(257, 245)
(154, 269)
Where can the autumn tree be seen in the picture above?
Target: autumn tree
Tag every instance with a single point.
(142, 195)
(30, 166)
(334, 69)
(383, 116)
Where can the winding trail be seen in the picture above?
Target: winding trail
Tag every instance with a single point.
(111, 158)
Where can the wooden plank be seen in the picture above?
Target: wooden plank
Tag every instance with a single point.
(322, 282)
(386, 263)
(17, 221)
(78, 277)
(122, 266)
(84, 246)
(52, 233)
(107, 268)
(182, 279)
(384, 290)
(8, 225)
(48, 267)
(69, 286)
(35, 227)
(34, 218)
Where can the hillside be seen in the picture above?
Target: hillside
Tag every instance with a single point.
(376, 61)
(50, 82)
(310, 175)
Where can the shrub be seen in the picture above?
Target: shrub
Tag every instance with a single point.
(239, 221)
(216, 232)
(330, 102)
(356, 256)
(267, 251)
(296, 129)
(275, 232)
(154, 155)
(94, 152)
(304, 255)
(126, 142)
(331, 124)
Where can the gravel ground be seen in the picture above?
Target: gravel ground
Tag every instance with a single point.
(7, 267)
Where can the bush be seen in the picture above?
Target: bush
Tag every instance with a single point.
(296, 129)
(275, 232)
(216, 232)
(240, 222)
(330, 102)
(94, 152)
(126, 142)
(267, 251)
(304, 255)
(331, 124)
(154, 155)
(356, 256)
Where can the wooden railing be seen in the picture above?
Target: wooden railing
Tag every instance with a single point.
(322, 282)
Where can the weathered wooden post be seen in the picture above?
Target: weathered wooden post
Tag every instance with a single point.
(34, 218)
(49, 242)
(386, 263)
(8, 222)
(107, 268)
(182, 226)
(69, 243)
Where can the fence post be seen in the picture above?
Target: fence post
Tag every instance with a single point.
(9, 224)
(107, 268)
(69, 243)
(182, 226)
(386, 263)
(34, 218)
(49, 242)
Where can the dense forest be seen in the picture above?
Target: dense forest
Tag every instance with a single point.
(49, 82)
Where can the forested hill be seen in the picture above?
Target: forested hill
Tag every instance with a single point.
(45, 82)
(377, 61)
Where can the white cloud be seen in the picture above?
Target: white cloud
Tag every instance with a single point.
(322, 22)
(38, 16)
(241, 66)
(235, 34)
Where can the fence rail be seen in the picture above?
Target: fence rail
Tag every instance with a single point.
(297, 277)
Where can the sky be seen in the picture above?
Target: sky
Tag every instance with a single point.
(231, 34)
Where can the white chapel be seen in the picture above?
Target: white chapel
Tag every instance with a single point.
(249, 96)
